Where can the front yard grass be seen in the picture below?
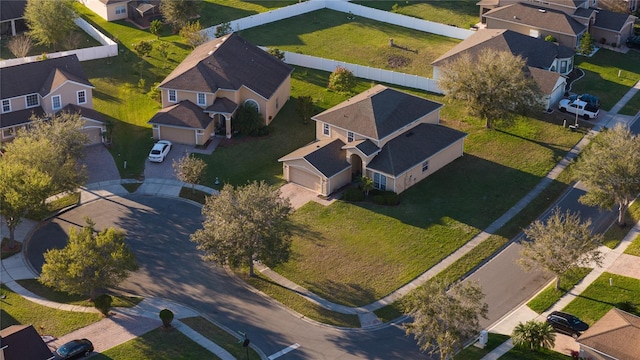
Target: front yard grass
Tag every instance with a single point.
(615, 233)
(526, 354)
(475, 353)
(634, 247)
(220, 337)
(600, 297)
(549, 296)
(16, 310)
(48, 293)
(602, 78)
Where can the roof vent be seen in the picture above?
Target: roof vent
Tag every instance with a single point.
(409, 134)
(542, 10)
(515, 17)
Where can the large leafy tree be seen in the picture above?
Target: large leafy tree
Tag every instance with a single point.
(49, 21)
(493, 85)
(610, 167)
(560, 243)
(179, 12)
(443, 319)
(91, 261)
(246, 223)
(248, 119)
(189, 169)
(534, 335)
(192, 33)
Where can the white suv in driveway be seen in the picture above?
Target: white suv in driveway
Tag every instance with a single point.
(160, 151)
(579, 108)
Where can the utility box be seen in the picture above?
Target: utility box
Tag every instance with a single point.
(484, 337)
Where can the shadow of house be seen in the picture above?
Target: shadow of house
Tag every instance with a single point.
(20, 342)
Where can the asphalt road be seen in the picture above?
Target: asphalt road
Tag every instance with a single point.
(170, 266)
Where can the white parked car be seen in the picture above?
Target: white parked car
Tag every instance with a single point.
(579, 108)
(160, 151)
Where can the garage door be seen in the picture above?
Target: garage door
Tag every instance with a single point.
(303, 178)
(94, 134)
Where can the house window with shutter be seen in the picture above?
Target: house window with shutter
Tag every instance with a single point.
(326, 131)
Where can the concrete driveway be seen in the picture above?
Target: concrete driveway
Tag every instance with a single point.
(164, 170)
(100, 164)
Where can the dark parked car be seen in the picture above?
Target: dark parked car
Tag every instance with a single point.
(567, 323)
(634, 42)
(74, 349)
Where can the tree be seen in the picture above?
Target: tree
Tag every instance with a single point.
(166, 316)
(155, 27)
(20, 45)
(559, 244)
(610, 167)
(248, 119)
(22, 189)
(91, 261)
(178, 12)
(163, 49)
(279, 54)
(586, 44)
(189, 169)
(49, 21)
(192, 33)
(342, 80)
(366, 183)
(143, 48)
(444, 319)
(493, 84)
(244, 224)
(304, 107)
(534, 335)
(72, 40)
(223, 29)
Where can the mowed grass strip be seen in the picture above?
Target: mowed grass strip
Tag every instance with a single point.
(462, 13)
(330, 34)
(48, 293)
(17, 310)
(220, 337)
(550, 295)
(634, 247)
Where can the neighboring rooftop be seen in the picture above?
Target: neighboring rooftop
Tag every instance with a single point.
(537, 16)
(616, 334)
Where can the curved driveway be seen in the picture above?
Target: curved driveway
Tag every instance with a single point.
(170, 267)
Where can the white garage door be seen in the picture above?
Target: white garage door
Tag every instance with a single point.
(94, 135)
(305, 179)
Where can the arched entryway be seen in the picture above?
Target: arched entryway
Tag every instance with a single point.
(356, 166)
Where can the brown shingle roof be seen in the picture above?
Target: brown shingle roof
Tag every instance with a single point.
(228, 62)
(378, 112)
(616, 334)
(41, 76)
(183, 114)
(84, 112)
(546, 80)
(524, 14)
(20, 117)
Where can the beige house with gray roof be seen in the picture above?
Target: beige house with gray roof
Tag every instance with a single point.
(616, 336)
(390, 136)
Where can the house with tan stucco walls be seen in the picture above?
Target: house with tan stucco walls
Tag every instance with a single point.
(202, 94)
(390, 136)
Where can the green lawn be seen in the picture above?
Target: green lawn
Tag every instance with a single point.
(15, 310)
(329, 34)
(615, 233)
(62, 297)
(475, 353)
(602, 78)
(526, 354)
(220, 337)
(600, 297)
(634, 247)
(214, 12)
(462, 13)
(550, 295)
(86, 41)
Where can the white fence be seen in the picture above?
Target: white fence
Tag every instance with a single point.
(107, 49)
(364, 72)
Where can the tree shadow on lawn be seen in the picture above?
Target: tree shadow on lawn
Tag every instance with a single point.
(349, 294)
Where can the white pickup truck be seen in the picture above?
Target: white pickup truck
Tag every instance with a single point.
(579, 108)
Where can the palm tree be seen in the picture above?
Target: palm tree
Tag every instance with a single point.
(534, 335)
(366, 184)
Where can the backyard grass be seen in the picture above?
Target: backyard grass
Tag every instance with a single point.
(220, 337)
(600, 297)
(86, 41)
(48, 293)
(475, 353)
(549, 296)
(214, 12)
(615, 233)
(462, 13)
(158, 344)
(602, 78)
(330, 34)
(634, 247)
(15, 310)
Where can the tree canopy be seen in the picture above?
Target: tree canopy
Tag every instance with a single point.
(443, 319)
(560, 243)
(90, 262)
(610, 167)
(49, 21)
(189, 169)
(494, 84)
(179, 12)
(191, 33)
(534, 335)
(245, 223)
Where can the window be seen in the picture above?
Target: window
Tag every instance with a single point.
(56, 102)
(326, 131)
(379, 181)
(202, 99)
(350, 136)
(173, 97)
(252, 103)
(563, 66)
(82, 97)
(32, 100)
(8, 132)
(121, 10)
(277, 103)
(6, 105)
(425, 166)
(200, 132)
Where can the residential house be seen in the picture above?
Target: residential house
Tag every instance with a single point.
(12, 17)
(547, 62)
(47, 87)
(616, 336)
(390, 136)
(565, 20)
(109, 10)
(20, 342)
(202, 94)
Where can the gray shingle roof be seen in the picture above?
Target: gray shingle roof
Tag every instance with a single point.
(546, 80)
(84, 112)
(367, 147)
(228, 62)
(183, 114)
(23, 342)
(412, 148)
(537, 52)
(222, 105)
(328, 156)
(12, 9)
(41, 76)
(20, 117)
(611, 20)
(524, 14)
(378, 112)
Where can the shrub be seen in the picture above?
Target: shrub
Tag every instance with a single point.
(143, 48)
(378, 199)
(103, 304)
(223, 29)
(166, 316)
(342, 80)
(550, 38)
(391, 198)
(277, 53)
(353, 194)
